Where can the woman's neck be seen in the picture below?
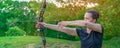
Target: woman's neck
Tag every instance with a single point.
(88, 30)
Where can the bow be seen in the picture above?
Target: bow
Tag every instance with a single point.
(41, 29)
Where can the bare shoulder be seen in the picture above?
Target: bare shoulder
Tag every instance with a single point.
(95, 26)
(99, 27)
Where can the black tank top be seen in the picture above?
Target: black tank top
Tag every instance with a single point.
(91, 40)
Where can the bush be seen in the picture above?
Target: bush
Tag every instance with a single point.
(15, 31)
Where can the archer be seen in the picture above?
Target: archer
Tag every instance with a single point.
(91, 36)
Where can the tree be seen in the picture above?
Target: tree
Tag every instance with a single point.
(14, 13)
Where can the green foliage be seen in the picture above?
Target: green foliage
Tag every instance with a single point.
(58, 34)
(14, 13)
(109, 16)
(25, 14)
(3, 18)
(15, 31)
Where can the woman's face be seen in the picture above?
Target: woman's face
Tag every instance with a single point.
(88, 17)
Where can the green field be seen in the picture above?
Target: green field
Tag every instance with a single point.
(35, 42)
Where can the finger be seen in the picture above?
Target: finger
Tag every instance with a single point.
(37, 25)
(59, 23)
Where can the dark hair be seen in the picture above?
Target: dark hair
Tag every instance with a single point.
(95, 14)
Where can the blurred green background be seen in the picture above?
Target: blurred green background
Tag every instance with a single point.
(18, 19)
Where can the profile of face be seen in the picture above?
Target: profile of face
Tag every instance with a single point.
(88, 17)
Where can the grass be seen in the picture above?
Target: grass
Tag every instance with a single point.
(112, 43)
(15, 42)
(35, 42)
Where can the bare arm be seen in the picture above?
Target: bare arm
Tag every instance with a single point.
(93, 26)
(70, 31)
(74, 23)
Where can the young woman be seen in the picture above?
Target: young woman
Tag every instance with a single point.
(91, 36)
